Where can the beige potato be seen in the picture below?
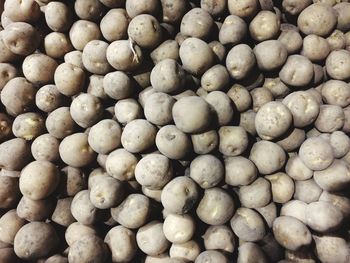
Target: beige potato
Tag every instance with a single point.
(260, 97)
(338, 64)
(94, 57)
(307, 191)
(26, 11)
(330, 118)
(28, 125)
(58, 16)
(35, 210)
(178, 229)
(205, 142)
(340, 143)
(249, 250)
(14, 154)
(173, 11)
(88, 10)
(7, 72)
(296, 209)
(315, 48)
(221, 105)
(5, 127)
(45, 148)
(186, 251)
(240, 61)
(331, 248)
(240, 97)
(270, 54)
(6, 54)
(196, 23)
(114, 24)
(62, 214)
(297, 71)
(255, 195)
(233, 30)
(57, 45)
(292, 140)
(239, 171)
(75, 76)
(121, 164)
(10, 223)
(336, 92)
(77, 230)
(48, 98)
(220, 238)
(169, 49)
(158, 108)
(244, 9)
(60, 124)
(343, 9)
(127, 110)
(336, 40)
(265, 25)
(124, 55)
(82, 32)
(282, 187)
(295, 7)
(82, 208)
(74, 58)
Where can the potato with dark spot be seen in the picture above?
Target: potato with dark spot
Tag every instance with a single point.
(48, 98)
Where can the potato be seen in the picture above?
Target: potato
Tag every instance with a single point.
(82, 32)
(7, 72)
(265, 25)
(239, 171)
(248, 225)
(5, 127)
(169, 49)
(270, 55)
(205, 142)
(343, 17)
(28, 125)
(57, 45)
(233, 30)
(330, 118)
(197, 23)
(35, 210)
(292, 237)
(114, 24)
(240, 61)
(82, 208)
(296, 209)
(220, 238)
(145, 30)
(187, 251)
(240, 97)
(207, 171)
(88, 10)
(323, 25)
(6, 54)
(18, 96)
(58, 16)
(173, 11)
(179, 195)
(9, 192)
(269, 213)
(10, 223)
(260, 97)
(336, 40)
(133, 212)
(222, 106)
(45, 148)
(75, 151)
(57, 259)
(272, 120)
(48, 98)
(340, 143)
(60, 124)
(291, 39)
(297, 170)
(214, 8)
(257, 194)
(249, 250)
(216, 207)
(196, 56)
(244, 9)
(215, 78)
(121, 251)
(158, 108)
(151, 240)
(21, 38)
(331, 248)
(127, 110)
(307, 191)
(268, 157)
(74, 58)
(69, 79)
(94, 57)
(297, 71)
(14, 154)
(338, 65)
(113, 3)
(121, 164)
(315, 48)
(292, 140)
(295, 7)
(26, 11)
(62, 214)
(178, 229)
(35, 240)
(336, 92)
(77, 230)
(88, 248)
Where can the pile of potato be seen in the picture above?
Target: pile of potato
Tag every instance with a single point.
(173, 131)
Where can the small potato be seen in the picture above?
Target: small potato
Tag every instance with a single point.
(340, 143)
(292, 40)
(292, 140)
(338, 200)
(260, 97)
(82, 208)
(48, 98)
(187, 251)
(219, 50)
(77, 230)
(88, 248)
(233, 140)
(296, 209)
(173, 11)
(336, 92)
(315, 48)
(207, 171)
(134, 8)
(233, 30)
(248, 225)
(124, 55)
(240, 61)
(297, 170)
(270, 55)
(316, 153)
(215, 78)
(244, 9)
(331, 248)
(307, 191)
(211, 256)
(249, 250)
(265, 25)
(338, 64)
(257, 194)
(272, 120)
(18, 96)
(343, 10)
(69, 79)
(5, 127)
(178, 228)
(95, 87)
(58, 16)
(122, 243)
(196, 23)
(269, 213)
(239, 171)
(62, 214)
(60, 124)
(88, 10)
(295, 7)
(158, 108)
(14, 154)
(21, 38)
(82, 32)
(297, 71)
(220, 238)
(57, 45)
(222, 106)
(216, 207)
(133, 212)
(35, 210)
(330, 118)
(45, 148)
(74, 58)
(117, 85)
(73, 180)
(114, 24)
(303, 106)
(196, 56)
(335, 177)
(323, 25)
(94, 57)
(75, 151)
(6, 54)
(192, 114)
(154, 171)
(35, 240)
(282, 187)
(291, 233)
(10, 223)
(38, 180)
(7, 72)
(205, 142)
(28, 125)
(169, 49)
(240, 97)
(172, 142)
(104, 136)
(151, 240)
(138, 136)
(127, 110)
(336, 40)
(322, 216)
(179, 195)
(57, 259)
(26, 11)
(214, 8)
(268, 157)
(106, 192)
(121, 164)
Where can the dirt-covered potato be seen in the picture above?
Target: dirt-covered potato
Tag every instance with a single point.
(133, 212)
(297, 71)
(48, 98)
(319, 19)
(240, 97)
(205, 142)
(14, 154)
(338, 64)
(233, 140)
(122, 243)
(82, 32)
(331, 248)
(220, 238)
(62, 214)
(88, 10)
(336, 92)
(88, 248)
(58, 16)
(265, 25)
(222, 106)
(330, 118)
(35, 210)
(196, 56)
(292, 140)
(260, 97)
(240, 61)
(9, 192)
(158, 108)
(26, 11)
(178, 228)
(179, 195)
(10, 223)
(28, 125)
(7, 72)
(239, 171)
(270, 54)
(82, 208)
(35, 240)
(255, 195)
(6, 54)
(233, 30)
